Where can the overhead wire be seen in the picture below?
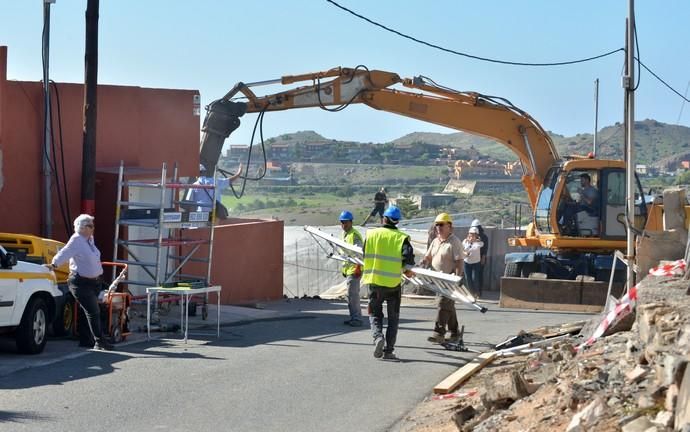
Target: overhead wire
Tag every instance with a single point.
(463, 54)
(505, 62)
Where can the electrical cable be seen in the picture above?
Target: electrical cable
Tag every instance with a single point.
(662, 81)
(62, 154)
(486, 59)
(245, 178)
(512, 63)
(53, 165)
(637, 48)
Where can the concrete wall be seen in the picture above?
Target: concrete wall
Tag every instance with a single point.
(247, 260)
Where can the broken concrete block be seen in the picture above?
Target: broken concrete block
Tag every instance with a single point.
(659, 245)
(670, 369)
(589, 414)
(463, 414)
(671, 397)
(683, 402)
(640, 424)
(502, 393)
(664, 418)
(636, 375)
(674, 208)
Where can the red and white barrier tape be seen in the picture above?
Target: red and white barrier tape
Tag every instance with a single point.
(676, 268)
(625, 305)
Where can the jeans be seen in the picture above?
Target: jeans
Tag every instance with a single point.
(472, 276)
(353, 297)
(392, 297)
(86, 292)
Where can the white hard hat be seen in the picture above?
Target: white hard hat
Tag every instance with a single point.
(475, 223)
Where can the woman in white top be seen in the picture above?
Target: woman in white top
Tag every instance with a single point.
(472, 246)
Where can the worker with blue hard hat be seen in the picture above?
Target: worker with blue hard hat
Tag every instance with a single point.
(352, 271)
(388, 254)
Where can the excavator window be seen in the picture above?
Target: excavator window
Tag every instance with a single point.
(543, 211)
(580, 204)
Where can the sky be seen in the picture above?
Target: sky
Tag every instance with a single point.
(211, 45)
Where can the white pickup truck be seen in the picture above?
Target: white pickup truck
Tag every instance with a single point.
(29, 297)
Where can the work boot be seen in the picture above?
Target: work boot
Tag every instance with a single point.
(378, 347)
(103, 345)
(390, 356)
(436, 338)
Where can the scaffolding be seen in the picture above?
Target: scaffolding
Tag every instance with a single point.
(152, 226)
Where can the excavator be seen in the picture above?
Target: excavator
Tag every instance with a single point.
(577, 203)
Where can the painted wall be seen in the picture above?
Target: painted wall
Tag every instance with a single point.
(144, 127)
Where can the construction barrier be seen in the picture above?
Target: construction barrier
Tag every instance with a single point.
(626, 304)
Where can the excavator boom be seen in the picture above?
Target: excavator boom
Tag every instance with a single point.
(419, 98)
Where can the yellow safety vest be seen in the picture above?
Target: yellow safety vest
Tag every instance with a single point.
(351, 237)
(383, 257)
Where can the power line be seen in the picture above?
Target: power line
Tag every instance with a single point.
(682, 105)
(486, 59)
(660, 80)
(513, 63)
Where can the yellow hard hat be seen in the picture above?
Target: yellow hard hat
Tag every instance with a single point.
(443, 217)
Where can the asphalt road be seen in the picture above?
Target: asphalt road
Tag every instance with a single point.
(306, 373)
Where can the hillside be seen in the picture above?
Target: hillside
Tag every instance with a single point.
(656, 143)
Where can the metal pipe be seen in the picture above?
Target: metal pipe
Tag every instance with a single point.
(596, 116)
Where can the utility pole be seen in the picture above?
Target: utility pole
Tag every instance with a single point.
(629, 86)
(88, 163)
(47, 204)
(596, 116)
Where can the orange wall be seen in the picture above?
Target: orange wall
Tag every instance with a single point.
(247, 260)
(142, 126)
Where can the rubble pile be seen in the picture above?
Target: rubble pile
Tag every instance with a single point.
(634, 380)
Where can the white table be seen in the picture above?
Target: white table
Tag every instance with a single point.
(185, 294)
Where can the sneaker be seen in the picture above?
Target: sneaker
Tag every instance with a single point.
(103, 345)
(355, 323)
(390, 356)
(378, 347)
(347, 322)
(436, 338)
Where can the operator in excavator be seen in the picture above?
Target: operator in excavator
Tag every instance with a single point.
(587, 204)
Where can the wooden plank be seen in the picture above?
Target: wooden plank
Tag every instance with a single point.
(553, 294)
(461, 375)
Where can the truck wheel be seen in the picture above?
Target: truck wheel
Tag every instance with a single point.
(62, 325)
(31, 335)
(513, 270)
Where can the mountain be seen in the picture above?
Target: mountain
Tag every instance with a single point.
(656, 143)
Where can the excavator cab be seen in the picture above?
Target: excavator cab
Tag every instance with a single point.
(586, 199)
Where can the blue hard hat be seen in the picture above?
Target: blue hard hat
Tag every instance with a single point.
(345, 216)
(393, 213)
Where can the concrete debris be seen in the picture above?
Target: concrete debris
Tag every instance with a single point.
(635, 380)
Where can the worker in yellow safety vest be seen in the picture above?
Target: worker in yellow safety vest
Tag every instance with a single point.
(387, 254)
(352, 272)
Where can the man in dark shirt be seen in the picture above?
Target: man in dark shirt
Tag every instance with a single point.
(380, 201)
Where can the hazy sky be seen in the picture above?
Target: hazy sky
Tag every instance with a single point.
(211, 45)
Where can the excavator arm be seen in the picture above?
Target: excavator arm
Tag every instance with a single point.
(419, 98)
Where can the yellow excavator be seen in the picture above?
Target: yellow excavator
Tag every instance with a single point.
(578, 203)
